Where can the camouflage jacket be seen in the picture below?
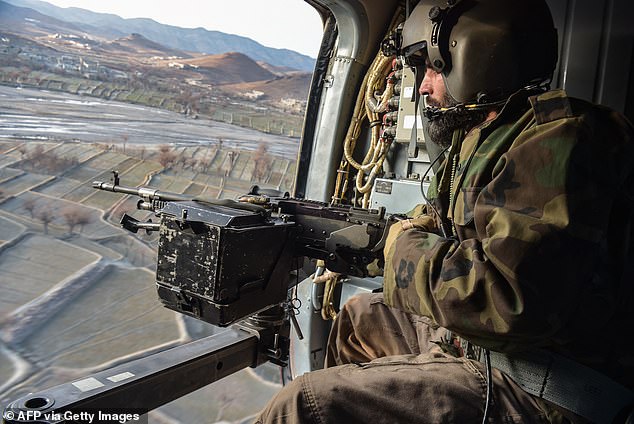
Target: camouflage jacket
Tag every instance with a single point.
(538, 204)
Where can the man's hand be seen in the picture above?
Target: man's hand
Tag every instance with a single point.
(422, 222)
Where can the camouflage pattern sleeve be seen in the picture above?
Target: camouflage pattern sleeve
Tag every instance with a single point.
(534, 209)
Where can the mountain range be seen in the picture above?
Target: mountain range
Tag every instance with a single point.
(111, 27)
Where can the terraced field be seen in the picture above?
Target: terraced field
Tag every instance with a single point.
(34, 265)
(76, 296)
(116, 316)
(57, 208)
(230, 404)
(9, 230)
(7, 367)
(22, 183)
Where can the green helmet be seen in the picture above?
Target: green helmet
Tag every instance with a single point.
(485, 49)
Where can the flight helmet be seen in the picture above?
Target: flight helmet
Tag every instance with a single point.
(485, 49)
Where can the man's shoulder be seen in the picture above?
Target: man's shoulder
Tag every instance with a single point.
(557, 105)
(551, 106)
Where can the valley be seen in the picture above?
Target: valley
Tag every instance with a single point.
(77, 291)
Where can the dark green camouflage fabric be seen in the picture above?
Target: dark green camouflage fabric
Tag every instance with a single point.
(538, 222)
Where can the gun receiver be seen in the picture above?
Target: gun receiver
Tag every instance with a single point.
(223, 260)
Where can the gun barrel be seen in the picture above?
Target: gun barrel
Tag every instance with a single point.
(143, 192)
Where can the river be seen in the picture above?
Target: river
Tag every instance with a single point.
(32, 114)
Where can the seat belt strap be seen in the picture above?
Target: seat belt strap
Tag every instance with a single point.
(566, 383)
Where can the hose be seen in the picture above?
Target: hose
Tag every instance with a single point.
(372, 100)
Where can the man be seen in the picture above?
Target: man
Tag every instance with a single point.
(525, 251)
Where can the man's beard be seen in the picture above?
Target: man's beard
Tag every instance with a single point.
(441, 128)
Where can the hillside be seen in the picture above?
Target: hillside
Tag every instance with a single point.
(43, 52)
(32, 23)
(287, 86)
(195, 40)
(230, 67)
(138, 44)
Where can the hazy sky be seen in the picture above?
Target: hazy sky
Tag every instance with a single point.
(290, 24)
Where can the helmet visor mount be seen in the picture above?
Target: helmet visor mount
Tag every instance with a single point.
(415, 56)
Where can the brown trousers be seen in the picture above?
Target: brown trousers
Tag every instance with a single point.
(383, 367)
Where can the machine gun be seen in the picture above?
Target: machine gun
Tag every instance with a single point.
(223, 262)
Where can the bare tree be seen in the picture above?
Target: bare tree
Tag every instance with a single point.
(45, 214)
(190, 163)
(22, 149)
(182, 160)
(204, 165)
(46, 162)
(262, 162)
(74, 216)
(37, 154)
(84, 218)
(167, 159)
(30, 205)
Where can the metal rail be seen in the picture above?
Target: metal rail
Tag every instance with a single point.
(145, 383)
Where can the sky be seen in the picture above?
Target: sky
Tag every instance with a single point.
(290, 24)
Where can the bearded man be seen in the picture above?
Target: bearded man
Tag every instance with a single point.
(505, 300)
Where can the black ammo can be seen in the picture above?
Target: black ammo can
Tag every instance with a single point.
(221, 264)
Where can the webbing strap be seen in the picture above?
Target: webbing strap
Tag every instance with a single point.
(566, 383)
(412, 148)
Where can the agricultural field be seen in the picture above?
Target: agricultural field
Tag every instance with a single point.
(9, 230)
(7, 367)
(34, 265)
(232, 404)
(116, 315)
(77, 292)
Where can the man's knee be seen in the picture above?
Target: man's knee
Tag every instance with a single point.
(288, 406)
(387, 390)
(361, 304)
